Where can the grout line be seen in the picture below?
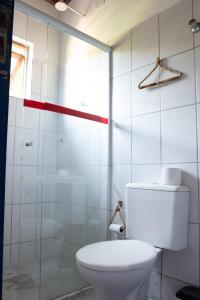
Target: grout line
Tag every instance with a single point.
(156, 111)
(152, 63)
(154, 164)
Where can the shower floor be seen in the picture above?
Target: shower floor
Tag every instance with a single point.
(24, 284)
(84, 295)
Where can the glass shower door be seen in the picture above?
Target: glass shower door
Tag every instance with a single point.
(57, 161)
(74, 171)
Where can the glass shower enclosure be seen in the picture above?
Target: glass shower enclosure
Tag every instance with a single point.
(57, 159)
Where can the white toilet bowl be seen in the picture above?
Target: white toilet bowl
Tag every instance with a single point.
(117, 270)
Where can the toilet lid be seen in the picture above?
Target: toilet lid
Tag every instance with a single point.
(117, 255)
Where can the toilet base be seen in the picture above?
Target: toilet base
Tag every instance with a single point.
(131, 285)
(139, 294)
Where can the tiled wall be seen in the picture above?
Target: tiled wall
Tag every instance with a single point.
(160, 126)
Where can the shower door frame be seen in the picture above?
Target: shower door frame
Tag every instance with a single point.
(4, 106)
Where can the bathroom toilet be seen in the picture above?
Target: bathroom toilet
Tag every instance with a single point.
(126, 264)
(157, 216)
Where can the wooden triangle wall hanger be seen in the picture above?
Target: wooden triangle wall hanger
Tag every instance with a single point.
(159, 65)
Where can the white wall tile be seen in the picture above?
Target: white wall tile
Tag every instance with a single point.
(64, 191)
(27, 222)
(80, 155)
(48, 121)
(12, 111)
(29, 184)
(197, 64)
(36, 77)
(122, 56)
(146, 173)
(64, 123)
(49, 150)
(27, 253)
(38, 221)
(121, 175)
(179, 136)
(64, 149)
(190, 179)
(170, 287)
(40, 148)
(104, 187)
(104, 221)
(53, 46)
(26, 117)
(180, 92)
(9, 185)
(26, 155)
(122, 87)
(94, 144)
(17, 180)
(78, 225)
(51, 79)
(62, 218)
(15, 223)
(121, 141)
(145, 100)
(173, 25)
(48, 189)
(48, 220)
(104, 144)
(97, 225)
(79, 195)
(37, 34)
(10, 145)
(146, 139)
(94, 186)
(20, 24)
(14, 254)
(196, 9)
(184, 265)
(145, 43)
(7, 224)
(6, 257)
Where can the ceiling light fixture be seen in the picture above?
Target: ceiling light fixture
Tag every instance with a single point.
(61, 5)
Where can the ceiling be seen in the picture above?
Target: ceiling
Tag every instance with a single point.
(106, 21)
(109, 21)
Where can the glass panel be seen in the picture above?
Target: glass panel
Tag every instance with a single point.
(74, 200)
(57, 165)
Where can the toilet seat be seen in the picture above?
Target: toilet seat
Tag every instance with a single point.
(118, 255)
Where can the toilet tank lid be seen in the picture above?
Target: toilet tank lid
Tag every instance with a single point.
(157, 187)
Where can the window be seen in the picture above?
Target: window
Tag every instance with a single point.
(20, 66)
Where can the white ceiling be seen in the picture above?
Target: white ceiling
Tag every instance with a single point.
(107, 22)
(115, 17)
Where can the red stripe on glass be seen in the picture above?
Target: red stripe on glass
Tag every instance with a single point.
(64, 110)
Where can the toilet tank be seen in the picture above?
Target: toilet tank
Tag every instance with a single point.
(157, 214)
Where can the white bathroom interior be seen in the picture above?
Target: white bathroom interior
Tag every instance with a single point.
(85, 139)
